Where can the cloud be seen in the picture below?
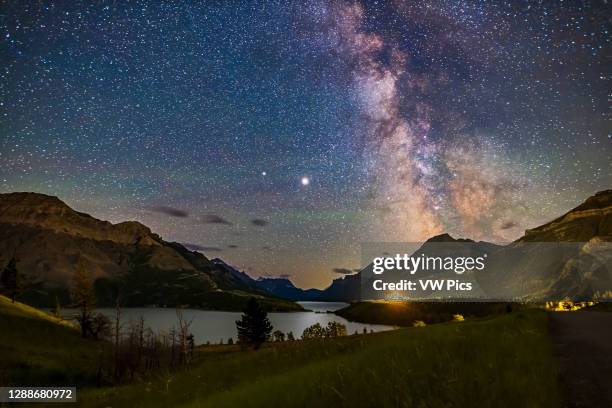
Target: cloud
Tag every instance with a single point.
(171, 211)
(508, 224)
(193, 247)
(343, 271)
(196, 247)
(259, 222)
(214, 219)
(211, 249)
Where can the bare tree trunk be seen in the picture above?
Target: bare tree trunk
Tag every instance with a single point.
(184, 336)
(117, 335)
(172, 333)
(140, 340)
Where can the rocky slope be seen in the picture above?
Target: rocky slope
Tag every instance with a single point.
(569, 257)
(590, 220)
(51, 240)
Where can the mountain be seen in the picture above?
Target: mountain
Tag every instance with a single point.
(344, 289)
(569, 257)
(50, 241)
(279, 287)
(348, 288)
(590, 220)
(230, 277)
(354, 287)
(284, 288)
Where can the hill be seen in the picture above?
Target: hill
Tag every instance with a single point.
(569, 257)
(590, 220)
(508, 362)
(38, 349)
(399, 313)
(51, 240)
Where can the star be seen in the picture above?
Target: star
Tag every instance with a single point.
(407, 129)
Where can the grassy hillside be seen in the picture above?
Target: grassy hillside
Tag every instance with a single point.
(405, 313)
(503, 361)
(37, 349)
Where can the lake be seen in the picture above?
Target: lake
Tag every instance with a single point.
(213, 326)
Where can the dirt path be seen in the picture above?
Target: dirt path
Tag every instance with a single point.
(583, 346)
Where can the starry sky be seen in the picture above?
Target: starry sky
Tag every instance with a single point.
(281, 135)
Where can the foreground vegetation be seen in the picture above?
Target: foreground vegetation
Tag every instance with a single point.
(501, 361)
(38, 349)
(400, 313)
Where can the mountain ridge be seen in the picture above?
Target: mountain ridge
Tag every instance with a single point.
(51, 240)
(31, 221)
(588, 223)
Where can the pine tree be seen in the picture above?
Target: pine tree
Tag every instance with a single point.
(11, 279)
(254, 328)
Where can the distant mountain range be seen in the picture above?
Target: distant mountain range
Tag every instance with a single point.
(569, 257)
(50, 241)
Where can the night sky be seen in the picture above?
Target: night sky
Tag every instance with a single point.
(281, 135)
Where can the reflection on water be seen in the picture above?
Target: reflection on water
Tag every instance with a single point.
(323, 306)
(214, 326)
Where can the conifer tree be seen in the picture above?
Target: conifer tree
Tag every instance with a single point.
(254, 328)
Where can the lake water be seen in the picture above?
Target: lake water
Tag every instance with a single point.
(213, 326)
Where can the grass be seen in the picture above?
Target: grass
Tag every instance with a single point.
(498, 361)
(37, 349)
(502, 361)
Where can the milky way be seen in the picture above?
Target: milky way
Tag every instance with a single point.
(281, 135)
